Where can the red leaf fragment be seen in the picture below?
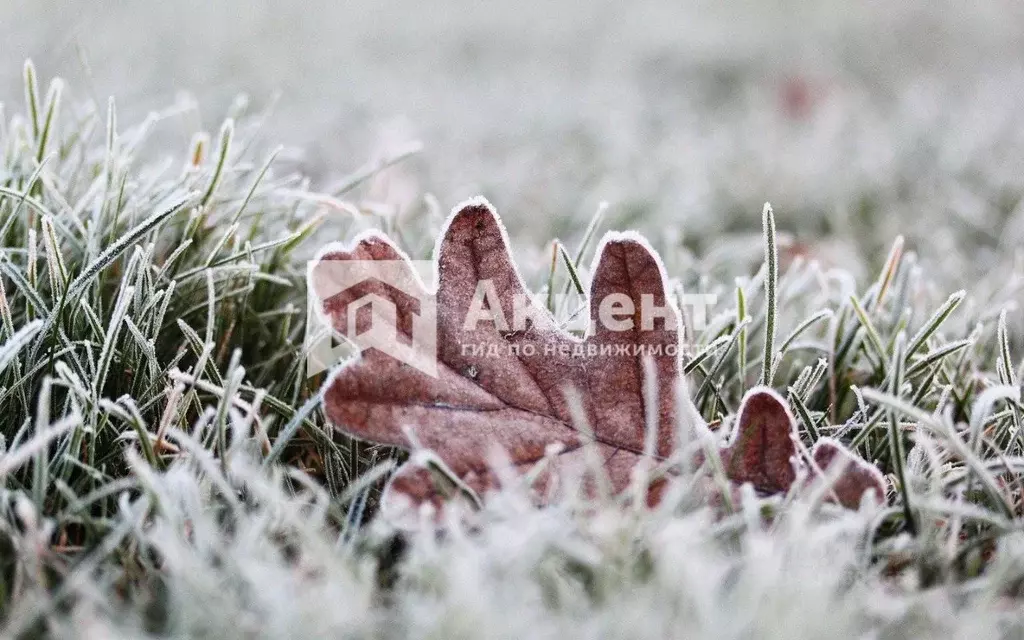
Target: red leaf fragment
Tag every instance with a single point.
(856, 475)
(764, 453)
(763, 449)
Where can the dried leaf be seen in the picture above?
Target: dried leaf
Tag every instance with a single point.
(529, 389)
(764, 453)
(506, 387)
(856, 475)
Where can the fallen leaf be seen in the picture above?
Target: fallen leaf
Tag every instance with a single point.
(855, 475)
(507, 387)
(764, 453)
(524, 389)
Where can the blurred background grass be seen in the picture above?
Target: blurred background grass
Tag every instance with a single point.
(686, 117)
(857, 121)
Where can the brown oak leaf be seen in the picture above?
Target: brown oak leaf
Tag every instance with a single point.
(505, 386)
(520, 387)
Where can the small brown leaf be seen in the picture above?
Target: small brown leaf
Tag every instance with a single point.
(856, 475)
(763, 451)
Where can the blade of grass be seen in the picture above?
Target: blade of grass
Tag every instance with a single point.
(771, 285)
(934, 322)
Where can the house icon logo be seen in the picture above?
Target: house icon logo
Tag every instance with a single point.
(371, 304)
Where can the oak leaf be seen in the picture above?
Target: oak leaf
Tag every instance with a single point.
(525, 388)
(518, 399)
